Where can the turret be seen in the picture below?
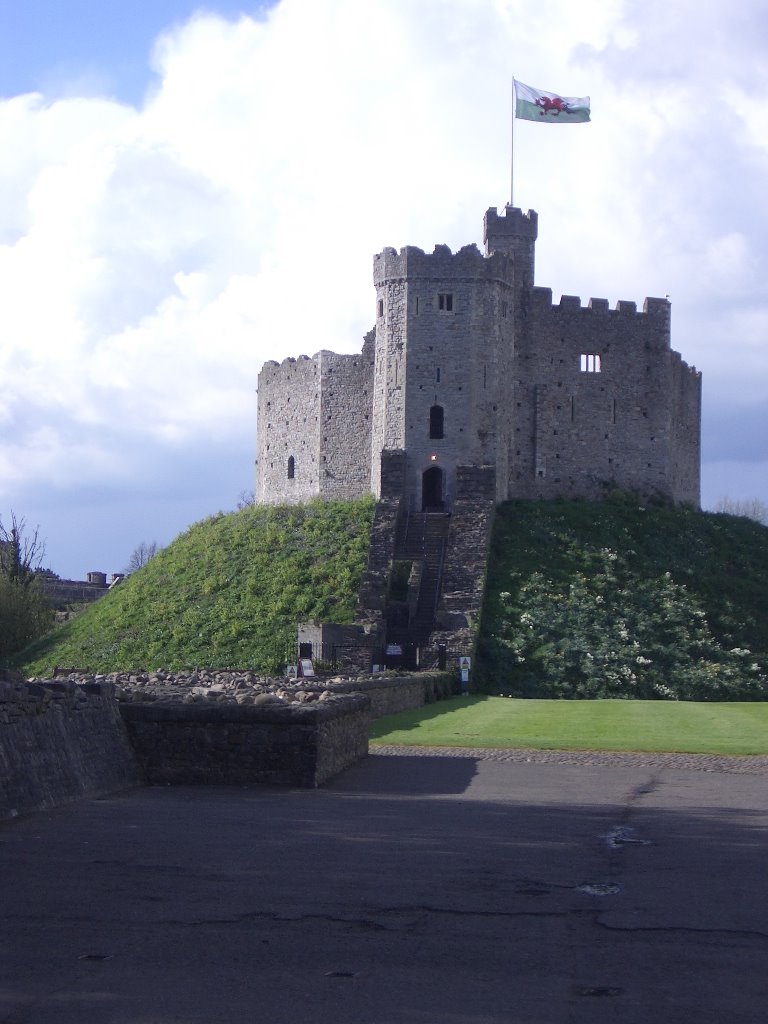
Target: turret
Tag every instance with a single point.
(514, 233)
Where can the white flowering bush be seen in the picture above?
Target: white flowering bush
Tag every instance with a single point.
(579, 620)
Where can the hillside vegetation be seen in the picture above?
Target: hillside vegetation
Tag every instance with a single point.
(228, 593)
(622, 600)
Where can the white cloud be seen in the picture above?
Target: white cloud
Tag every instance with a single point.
(152, 258)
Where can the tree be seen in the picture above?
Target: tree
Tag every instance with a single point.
(25, 613)
(245, 499)
(141, 554)
(21, 552)
(752, 508)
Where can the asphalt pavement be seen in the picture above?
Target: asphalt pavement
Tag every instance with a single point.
(411, 890)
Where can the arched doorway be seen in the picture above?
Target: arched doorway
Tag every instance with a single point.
(432, 499)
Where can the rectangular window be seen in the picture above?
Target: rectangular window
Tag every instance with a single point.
(437, 375)
(504, 309)
(417, 304)
(590, 363)
(381, 307)
(445, 302)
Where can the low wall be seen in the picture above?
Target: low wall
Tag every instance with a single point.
(275, 744)
(391, 694)
(60, 742)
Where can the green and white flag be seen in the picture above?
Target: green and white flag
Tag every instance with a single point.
(535, 105)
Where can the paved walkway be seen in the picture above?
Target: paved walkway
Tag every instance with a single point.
(476, 888)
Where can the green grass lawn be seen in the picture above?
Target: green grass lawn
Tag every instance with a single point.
(478, 721)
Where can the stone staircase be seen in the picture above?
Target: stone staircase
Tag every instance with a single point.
(421, 538)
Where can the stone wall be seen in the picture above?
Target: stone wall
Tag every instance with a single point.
(602, 402)
(391, 694)
(60, 742)
(288, 428)
(296, 745)
(63, 741)
(63, 592)
(316, 412)
(345, 419)
(469, 537)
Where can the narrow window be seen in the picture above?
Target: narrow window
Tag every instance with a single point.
(436, 422)
(485, 376)
(445, 302)
(590, 363)
(437, 375)
(613, 411)
(291, 467)
(573, 409)
(504, 309)
(381, 307)
(417, 304)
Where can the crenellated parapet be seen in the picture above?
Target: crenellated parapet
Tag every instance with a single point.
(510, 225)
(412, 263)
(541, 299)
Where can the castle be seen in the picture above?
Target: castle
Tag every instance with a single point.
(470, 364)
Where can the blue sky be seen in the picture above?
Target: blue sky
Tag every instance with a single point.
(101, 47)
(186, 192)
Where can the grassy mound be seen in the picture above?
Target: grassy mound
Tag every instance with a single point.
(621, 600)
(227, 593)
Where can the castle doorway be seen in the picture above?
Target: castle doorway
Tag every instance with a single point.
(432, 499)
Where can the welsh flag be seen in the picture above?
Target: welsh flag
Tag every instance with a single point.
(534, 105)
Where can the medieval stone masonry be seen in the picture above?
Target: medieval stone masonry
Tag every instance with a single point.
(472, 365)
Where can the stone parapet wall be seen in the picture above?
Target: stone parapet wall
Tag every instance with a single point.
(273, 744)
(60, 742)
(216, 688)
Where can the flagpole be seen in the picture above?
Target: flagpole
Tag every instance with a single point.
(512, 151)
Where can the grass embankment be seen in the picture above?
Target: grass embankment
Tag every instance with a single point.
(617, 599)
(607, 725)
(227, 593)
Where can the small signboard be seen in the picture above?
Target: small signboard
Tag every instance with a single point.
(394, 650)
(306, 668)
(464, 666)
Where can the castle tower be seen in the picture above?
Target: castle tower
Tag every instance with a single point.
(444, 338)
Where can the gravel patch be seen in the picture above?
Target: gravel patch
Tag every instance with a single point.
(745, 765)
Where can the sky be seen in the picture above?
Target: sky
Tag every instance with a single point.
(188, 191)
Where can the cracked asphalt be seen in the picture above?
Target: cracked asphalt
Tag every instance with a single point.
(459, 889)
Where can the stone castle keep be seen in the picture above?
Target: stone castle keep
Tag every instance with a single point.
(471, 365)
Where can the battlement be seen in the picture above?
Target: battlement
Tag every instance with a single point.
(652, 307)
(441, 264)
(512, 224)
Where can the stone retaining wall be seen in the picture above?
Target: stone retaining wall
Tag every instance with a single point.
(286, 745)
(65, 740)
(60, 742)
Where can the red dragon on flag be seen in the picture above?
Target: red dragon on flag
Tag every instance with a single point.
(536, 105)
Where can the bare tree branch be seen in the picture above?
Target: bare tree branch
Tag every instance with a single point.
(141, 554)
(21, 550)
(752, 508)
